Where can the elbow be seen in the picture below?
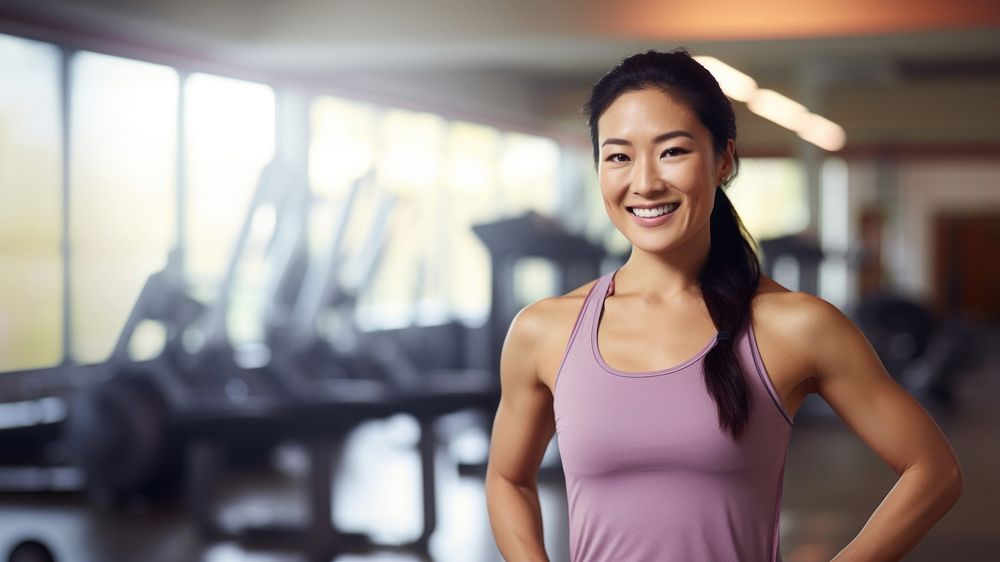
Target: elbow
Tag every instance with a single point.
(951, 483)
(957, 482)
(942, 483)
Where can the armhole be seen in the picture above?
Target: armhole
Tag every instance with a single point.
(765, 378)
(572, 335)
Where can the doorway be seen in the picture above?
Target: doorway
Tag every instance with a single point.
(966, 265)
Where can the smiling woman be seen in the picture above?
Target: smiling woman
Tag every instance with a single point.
(686, 462)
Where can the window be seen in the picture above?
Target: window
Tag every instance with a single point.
(123, 163)
(31, 224)
(229, 138)
(770, 196)
(446, 177)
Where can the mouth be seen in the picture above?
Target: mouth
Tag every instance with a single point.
(653, 212)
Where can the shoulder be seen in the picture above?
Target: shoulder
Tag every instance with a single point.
(798, 313)
(804, 326)
(540, 331)
(540, 318)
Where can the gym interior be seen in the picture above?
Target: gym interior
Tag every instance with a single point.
(259, 258)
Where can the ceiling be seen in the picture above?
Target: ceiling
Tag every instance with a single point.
(872, 66)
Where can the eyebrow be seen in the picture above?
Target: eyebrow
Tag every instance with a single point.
(658, 139)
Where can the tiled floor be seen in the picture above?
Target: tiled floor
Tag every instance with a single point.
(832, 484)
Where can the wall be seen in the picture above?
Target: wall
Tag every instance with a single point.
(913, 192)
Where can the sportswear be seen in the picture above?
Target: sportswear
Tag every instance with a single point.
(650, 475)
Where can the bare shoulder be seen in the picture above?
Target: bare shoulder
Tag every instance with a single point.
(802, 313)
(542, 330)
(791, 328)
(539, 319)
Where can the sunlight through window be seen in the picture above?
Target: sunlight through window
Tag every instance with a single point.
(30, 205)
(122, 181)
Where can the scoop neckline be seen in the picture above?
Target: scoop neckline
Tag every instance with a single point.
(595, 326)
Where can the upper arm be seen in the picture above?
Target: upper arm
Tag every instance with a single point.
(524, 422)
(850, 377)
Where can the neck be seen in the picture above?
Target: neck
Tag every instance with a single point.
(666, 274)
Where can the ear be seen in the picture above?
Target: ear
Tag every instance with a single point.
(725, 161)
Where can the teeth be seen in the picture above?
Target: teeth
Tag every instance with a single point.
(655, 211)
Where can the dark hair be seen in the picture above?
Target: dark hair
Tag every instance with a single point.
(732, 273)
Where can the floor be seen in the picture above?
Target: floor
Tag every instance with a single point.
(832, 484)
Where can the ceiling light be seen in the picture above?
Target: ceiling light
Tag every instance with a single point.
(777, 108)
(734, 83)
(822, 132)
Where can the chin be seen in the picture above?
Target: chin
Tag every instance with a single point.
(653, 243)
(651, 247)
(660, 241)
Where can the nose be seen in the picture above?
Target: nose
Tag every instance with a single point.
(646, 180)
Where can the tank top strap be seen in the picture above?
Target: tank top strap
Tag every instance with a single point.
(750, 353)
(579, 341)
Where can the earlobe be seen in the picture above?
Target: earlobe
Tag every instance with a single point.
(723, 172)
(727, 162)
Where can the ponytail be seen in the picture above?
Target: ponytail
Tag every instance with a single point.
(728, 283)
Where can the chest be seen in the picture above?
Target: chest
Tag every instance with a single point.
(633, 336)
(608, 424)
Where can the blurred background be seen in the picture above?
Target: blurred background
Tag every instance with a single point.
(258, 258)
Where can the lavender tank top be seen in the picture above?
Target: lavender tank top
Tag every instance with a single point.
(650, 476)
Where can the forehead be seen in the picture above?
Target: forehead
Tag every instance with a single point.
(647, 113)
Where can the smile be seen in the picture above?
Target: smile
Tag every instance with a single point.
(654, 211)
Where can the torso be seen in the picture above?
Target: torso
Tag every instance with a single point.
(629, 339)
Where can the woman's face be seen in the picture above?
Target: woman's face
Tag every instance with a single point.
(657, 170)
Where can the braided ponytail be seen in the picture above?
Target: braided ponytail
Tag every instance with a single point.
(728, 282)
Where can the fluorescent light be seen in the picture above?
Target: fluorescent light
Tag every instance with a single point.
(777, 108)
(822, 132)
(734, 83)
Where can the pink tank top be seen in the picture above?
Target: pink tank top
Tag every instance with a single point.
(650, 476)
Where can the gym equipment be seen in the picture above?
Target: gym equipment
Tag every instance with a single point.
(804, 252)
(898, 328)
(53, 444)
(30, 550)
(336, 385)
(138, 428)
(126, 430)
(530, 235)
(916, 348)
(31, 456)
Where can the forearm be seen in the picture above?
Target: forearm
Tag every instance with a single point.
(917, 501)
(516, 520)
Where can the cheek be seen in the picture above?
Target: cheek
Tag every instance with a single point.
(688, 179)
(611, 207)
(701, 211)
(612, 184)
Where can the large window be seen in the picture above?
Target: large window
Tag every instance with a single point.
(770, 196)
(446, 176)
(229, 138)
(123, 139)
(130, 189)
(30, 206)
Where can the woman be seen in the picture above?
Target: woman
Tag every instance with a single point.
(685, 463)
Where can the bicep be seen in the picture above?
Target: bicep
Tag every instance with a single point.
(524, 422)
(851, 378)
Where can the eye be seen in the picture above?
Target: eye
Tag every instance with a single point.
(673, 151)
(617, 157)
